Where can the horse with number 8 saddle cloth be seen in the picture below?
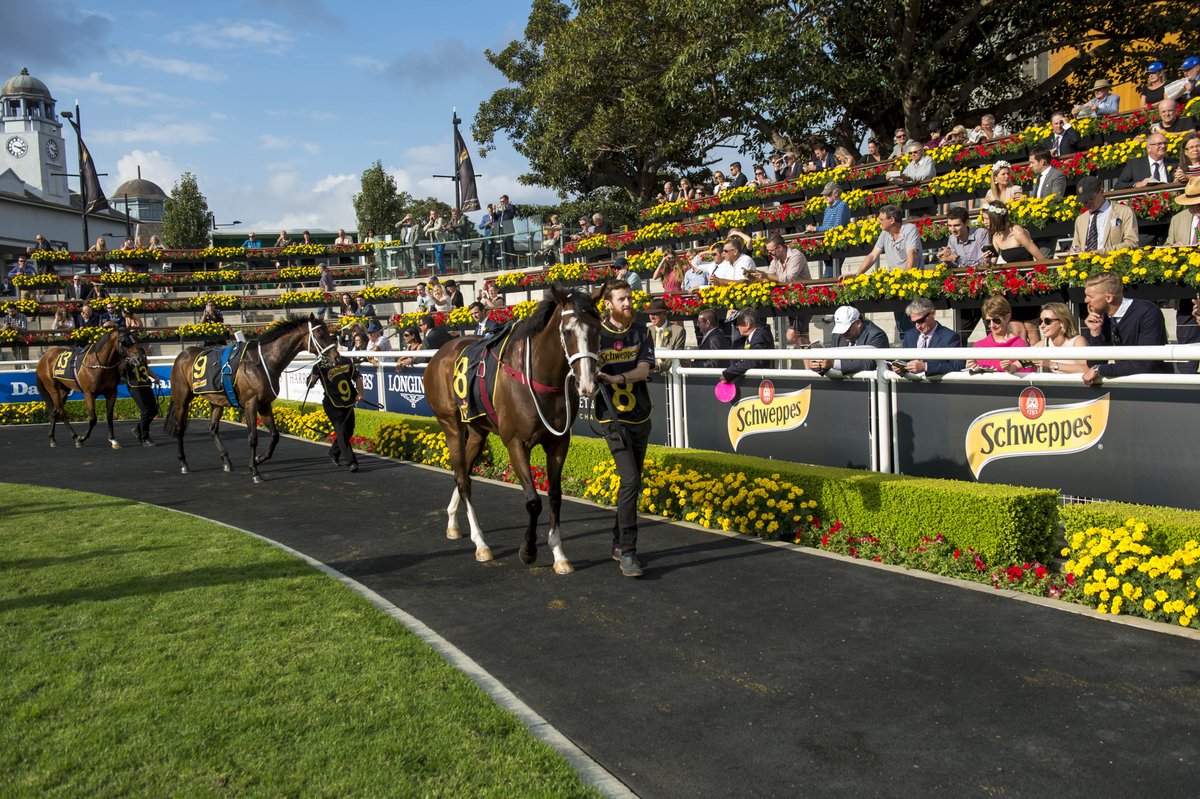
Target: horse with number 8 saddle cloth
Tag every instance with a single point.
(475, 372)
(215, 371)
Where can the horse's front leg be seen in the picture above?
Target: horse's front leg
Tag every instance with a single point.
(556, 456)
(90, 401)
(518, 455)
(110, 403)
(268, 418)
(214, 430)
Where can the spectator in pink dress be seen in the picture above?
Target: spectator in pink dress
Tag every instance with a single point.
(997, 316)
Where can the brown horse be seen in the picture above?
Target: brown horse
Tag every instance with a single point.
(98, 374)
(534, 401)
(256, 386)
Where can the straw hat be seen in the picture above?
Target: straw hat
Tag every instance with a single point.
(1191, 194)
(1101, 84)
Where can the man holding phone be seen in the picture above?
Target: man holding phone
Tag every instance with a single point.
(926, 333)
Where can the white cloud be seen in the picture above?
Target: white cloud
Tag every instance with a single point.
(269, 141)
(310, 148)
(94, 86)
(153, 132)
(171, 66)
(224, 34)
(272, 142)
(156, 168)
(333, 181)
(367, 63)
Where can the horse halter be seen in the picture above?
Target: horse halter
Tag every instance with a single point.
(571, 359)
(315, 346)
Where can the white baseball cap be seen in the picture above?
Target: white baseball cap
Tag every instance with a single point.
(843, 317)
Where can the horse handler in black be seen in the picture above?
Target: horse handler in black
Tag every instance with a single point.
(343, 389)
(140, 381)
(626, 359)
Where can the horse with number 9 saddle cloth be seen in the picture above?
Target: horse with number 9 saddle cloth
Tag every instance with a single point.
(215, 371)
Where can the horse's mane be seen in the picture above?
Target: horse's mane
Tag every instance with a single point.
(287, 326)
(536, 322)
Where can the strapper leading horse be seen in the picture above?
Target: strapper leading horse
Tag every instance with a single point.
(97, 373)
(256, 385)
(535, 400)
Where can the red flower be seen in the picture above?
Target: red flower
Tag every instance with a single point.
(1040, 572)
(957, 552)
(837, 526)
(825, 540)
(1070, 578)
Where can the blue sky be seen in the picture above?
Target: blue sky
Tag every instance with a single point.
(277, 106)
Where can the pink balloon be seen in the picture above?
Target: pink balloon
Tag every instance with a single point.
(725, 392)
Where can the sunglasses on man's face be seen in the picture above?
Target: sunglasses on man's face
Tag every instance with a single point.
(922, 319)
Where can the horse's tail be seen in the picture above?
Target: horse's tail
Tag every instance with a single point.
(169, 423)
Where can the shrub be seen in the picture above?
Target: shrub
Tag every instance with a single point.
(1170, 528)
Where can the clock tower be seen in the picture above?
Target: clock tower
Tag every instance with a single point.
(31, 142)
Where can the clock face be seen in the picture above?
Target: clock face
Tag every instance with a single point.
(52, 149)
(17, 147)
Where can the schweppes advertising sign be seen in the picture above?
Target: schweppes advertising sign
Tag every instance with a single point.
(768, 412)
(1035, 428)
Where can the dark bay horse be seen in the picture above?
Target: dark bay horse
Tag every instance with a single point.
(98, 374)
(535, 402)
(256, 386)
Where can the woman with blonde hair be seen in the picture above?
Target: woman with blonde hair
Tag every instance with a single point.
(1002, 332)
(670, 271)
(101, 245)
(686, 190)
(719, 183)
(1002, 189)
(441, 300)
(63, 323)
(844, 157)
(1059, 329)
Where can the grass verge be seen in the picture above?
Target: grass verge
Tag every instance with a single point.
(153, 654)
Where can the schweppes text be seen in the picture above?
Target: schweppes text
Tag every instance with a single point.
(1035, 428)
(768, 412)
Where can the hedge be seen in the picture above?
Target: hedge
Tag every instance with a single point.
(1170, 528)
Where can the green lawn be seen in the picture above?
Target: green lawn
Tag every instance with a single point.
(146, 653)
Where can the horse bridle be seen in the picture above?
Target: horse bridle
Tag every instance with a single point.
(314, 347)
(122, 350)
(571, 359)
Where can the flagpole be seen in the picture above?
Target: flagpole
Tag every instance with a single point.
(87, 241)
(454, 120)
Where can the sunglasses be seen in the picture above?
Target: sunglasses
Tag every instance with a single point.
(996, 321)
(1047, 320)
(922, 320)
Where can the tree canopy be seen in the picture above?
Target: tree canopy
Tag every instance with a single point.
(378, 206)
(186, 222)
(623, 93)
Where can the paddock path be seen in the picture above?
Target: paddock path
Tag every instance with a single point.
(733, 668)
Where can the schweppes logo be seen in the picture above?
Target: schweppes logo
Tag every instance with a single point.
(768, 412)
(1035, 428)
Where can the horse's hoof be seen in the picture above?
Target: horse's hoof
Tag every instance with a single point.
(257, 478)
(53, 444)
(183, 470)
(483, 554)
(78, 444)
(227, 468)
(115, 444)
(453, 533)
(563, 567)
(528, 555)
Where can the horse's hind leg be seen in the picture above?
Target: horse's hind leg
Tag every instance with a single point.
(176, 424)
(519, 457)
(214, 430)
(556, 456)
(463, 454)
(110, 402)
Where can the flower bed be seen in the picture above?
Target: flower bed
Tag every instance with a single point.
(217, 277)
(204, 254)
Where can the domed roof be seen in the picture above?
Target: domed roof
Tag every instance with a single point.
(25, 84)
(139, 189)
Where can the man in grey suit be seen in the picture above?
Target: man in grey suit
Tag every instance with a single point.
(1047, 179)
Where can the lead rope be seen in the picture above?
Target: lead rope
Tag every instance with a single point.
(571, 359)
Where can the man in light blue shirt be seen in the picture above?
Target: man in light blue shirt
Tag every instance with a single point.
(837, 213)
(1103, 101)
(252, 243)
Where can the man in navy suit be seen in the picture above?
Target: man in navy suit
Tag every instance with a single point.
(927, 333)
(1148, 169)
(502, 225)
(711, 337)
(1115, 320)
(752, 335)
(1062, 141)
(484, 327)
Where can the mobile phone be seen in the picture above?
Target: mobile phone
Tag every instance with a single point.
(901, 365)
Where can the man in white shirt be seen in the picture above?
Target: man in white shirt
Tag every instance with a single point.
(899, 243)
(736, 267)
(920, 166)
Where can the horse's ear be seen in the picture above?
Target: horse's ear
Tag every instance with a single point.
(597, 295)
(559, 293)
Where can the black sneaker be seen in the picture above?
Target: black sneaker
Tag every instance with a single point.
(630, 565)
(336, 457)
(146, 442)
(354, 466)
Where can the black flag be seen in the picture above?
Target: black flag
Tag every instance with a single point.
(90, 193)
(469, 197)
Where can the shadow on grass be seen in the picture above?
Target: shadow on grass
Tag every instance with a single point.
(36, 563)
(42, 509)
(162, 584)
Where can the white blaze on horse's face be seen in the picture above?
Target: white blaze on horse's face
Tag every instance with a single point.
(579, 353)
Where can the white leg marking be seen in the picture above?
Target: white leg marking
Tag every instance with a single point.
(452, 512)
(561, 564)
(483, 552)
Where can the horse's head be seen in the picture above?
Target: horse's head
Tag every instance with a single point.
(321, 342)
(131, 349)
(579, 330)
